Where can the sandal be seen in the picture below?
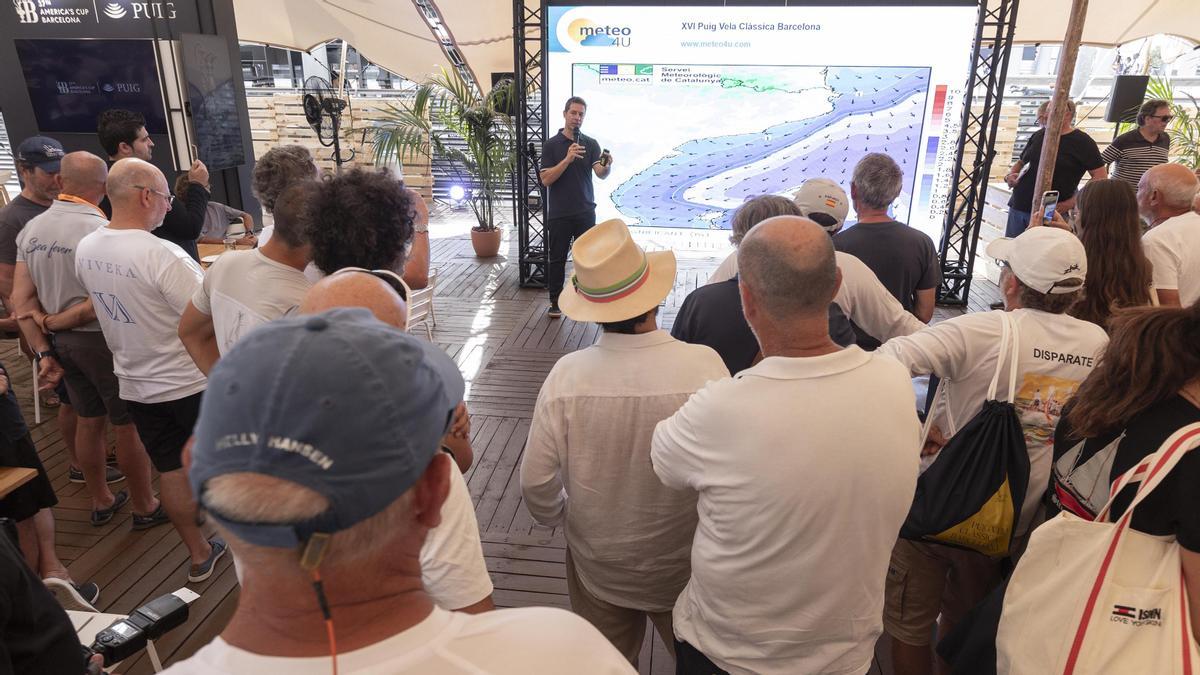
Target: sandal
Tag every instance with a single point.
(102, 516)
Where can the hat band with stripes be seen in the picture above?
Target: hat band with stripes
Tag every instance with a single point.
(618, 290)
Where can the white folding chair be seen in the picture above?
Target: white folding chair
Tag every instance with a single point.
(420, 306)
(88, 624)
(37, 396)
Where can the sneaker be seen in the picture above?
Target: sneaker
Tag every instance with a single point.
(102, 516)
(554, 312)
(154, 519)
(81, 598)
(997, 305)
(203, 571)
(112, 475)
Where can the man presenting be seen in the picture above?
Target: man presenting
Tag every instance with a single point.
(568, 161)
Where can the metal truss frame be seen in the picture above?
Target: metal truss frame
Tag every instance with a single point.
(968, 196)
(529, 198)
(964, 215)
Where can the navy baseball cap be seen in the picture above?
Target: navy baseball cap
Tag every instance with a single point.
(41, 151)
(338, 402)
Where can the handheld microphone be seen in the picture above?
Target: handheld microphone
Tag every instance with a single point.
(581, 139)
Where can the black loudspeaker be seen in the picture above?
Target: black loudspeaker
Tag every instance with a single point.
(1127, 95)
(510, 108)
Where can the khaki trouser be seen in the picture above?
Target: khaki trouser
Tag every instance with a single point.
(625, 628)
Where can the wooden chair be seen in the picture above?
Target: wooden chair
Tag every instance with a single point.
(420, 306)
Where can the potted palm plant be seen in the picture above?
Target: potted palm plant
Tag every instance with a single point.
(445, 109)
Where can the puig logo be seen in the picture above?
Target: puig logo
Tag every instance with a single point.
(114, 11)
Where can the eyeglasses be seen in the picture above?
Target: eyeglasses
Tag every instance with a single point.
(388, 277)
(165, 195)
(1165, 118)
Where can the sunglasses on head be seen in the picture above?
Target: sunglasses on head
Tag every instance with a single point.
(388, 277)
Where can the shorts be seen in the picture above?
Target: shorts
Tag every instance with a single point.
(88, 373)
(165, 428)
(37, 494)
(927, 580)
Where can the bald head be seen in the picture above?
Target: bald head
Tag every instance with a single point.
(84, 175)
(139, 194)
(788, 267)
(357, 289)
(1166, 191)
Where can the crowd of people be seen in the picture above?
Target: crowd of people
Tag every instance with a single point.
(739, 482)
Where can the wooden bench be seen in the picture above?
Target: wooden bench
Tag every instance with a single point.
(13, 477)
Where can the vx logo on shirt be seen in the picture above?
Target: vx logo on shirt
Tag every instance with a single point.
(113, 307)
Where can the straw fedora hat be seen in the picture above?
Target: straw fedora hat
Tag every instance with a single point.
(614, 278)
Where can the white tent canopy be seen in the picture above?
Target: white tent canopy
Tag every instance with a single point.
(395, 35)
(391, 33)
(1109, 23)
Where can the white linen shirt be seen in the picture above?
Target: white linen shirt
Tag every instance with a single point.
(1173, 249)
(805, 468)
(587, 463)
(862, 297)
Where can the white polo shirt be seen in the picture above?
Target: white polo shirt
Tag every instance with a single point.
(862, 297)
(800, 503)
(527, 641)
(1173, 248)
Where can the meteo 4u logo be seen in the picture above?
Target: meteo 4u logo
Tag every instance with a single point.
(587, 33)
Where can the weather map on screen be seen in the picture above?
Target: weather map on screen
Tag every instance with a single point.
(704, 107)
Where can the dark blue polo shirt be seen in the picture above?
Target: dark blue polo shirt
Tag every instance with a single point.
(572, 193)
(712, 316)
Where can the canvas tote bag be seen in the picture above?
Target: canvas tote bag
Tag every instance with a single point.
(971, 495)
(1098, 597)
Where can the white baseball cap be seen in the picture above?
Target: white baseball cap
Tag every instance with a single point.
(821, 195)
(1043, 257)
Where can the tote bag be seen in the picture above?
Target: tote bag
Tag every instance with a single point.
(1099, 597)
(971, 495)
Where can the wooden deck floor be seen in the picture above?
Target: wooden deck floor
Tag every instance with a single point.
(500, 337)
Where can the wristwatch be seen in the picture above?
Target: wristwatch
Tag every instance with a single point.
(44, 354)
(419, 227)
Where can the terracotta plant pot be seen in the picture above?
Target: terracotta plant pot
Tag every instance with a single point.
(486, 242)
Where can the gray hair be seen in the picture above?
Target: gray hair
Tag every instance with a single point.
(279, 169)
(877, 180)
(1177, 191)
(757, 209)
(785, 284)
(259, 498)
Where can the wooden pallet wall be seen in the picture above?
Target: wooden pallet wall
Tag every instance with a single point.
(278, 119)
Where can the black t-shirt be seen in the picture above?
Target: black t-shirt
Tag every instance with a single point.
(904, 259)
(572, 193)
(36, 636)
(13, 218)
(712, 316)
(1174, 506)
(1077, 154)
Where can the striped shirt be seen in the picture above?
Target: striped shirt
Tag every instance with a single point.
(1135, 155)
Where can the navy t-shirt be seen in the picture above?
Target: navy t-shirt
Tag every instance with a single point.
(572, 193)
(712, 316)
